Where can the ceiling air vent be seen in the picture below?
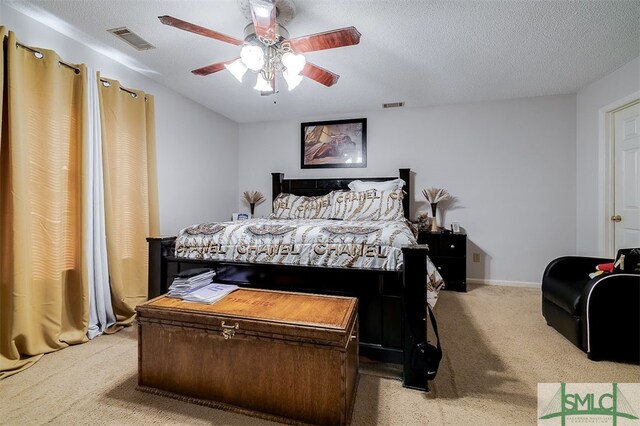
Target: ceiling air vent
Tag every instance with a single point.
(393, 105)
(131, 38)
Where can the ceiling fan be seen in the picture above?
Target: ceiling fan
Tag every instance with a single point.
(267, 49)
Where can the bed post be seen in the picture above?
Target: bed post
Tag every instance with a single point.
(414, 299)
(405, 175)
(276, 184)
(158, 265)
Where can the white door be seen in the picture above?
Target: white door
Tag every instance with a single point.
(626, 214)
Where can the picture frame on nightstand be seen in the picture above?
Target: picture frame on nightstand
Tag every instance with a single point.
(239, 216)
(455, 227)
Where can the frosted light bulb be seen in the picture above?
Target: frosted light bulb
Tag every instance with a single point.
(292, 79)
(252, 57)
(263, 85)
(294, 63)
(237, 68)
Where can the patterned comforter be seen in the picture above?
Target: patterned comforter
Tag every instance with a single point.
(304, 242)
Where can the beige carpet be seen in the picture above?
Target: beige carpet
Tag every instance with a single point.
(497, 349)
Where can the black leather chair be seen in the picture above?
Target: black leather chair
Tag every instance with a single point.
(601, 316)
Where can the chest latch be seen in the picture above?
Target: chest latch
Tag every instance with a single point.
(228, 331)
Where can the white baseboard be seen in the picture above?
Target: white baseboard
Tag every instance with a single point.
(502, 282)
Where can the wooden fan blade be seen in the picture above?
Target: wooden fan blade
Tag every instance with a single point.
(327, 40)
(196, 29)
(210, 69)
(263, 13)
(320, 75)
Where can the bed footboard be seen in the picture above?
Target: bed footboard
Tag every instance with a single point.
(159, 249)
(392, 304)
(414, 299)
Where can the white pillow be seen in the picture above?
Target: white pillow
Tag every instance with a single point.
(389, 185)
(289, 206)
(371, 204)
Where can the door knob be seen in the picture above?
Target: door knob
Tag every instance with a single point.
(616, 218)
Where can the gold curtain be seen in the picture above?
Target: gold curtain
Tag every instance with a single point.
(131, 195)
(3, 34)
(43, 281)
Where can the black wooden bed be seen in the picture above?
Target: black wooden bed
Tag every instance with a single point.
(391, 303)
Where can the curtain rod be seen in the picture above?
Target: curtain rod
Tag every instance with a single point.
(64, 64)
(124, 89)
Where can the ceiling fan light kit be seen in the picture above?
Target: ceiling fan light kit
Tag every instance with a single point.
(237, 68)
(262, 84)
(252, 57)
(292, 79)
(267, 49)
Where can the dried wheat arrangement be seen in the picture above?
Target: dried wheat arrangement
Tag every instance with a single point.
(253, 197)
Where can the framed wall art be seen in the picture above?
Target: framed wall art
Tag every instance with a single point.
(330, 144)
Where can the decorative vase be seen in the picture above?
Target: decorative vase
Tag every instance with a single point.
(434, 222)
(252, 206)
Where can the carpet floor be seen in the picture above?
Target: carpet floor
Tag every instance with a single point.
(497, 348)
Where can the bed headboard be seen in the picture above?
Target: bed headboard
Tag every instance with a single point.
(313, 187)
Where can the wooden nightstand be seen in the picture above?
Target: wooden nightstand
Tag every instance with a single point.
(449, 253)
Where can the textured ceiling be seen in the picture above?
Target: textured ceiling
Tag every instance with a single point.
(417, 51)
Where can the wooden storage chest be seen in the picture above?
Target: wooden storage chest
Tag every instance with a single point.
(284, 356)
